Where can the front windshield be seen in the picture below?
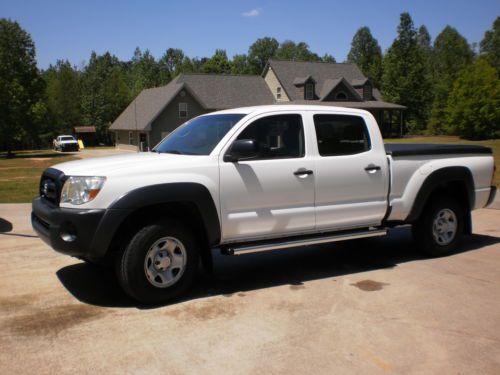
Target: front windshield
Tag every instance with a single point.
(198, 136)
(67, 139)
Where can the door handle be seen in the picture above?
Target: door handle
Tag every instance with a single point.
(300, 172)
(372, 168)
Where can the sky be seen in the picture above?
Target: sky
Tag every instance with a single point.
(64, 29)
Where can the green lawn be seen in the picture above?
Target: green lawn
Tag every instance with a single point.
(493, 143)
(20, 176)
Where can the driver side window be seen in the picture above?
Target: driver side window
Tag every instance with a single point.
(278, 137)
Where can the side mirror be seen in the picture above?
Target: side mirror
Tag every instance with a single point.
(242, 149)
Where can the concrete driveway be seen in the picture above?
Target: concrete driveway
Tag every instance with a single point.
(367, 307)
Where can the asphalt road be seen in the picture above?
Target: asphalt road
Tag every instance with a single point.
(365, 307)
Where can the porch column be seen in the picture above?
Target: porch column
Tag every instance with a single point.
(401, 123)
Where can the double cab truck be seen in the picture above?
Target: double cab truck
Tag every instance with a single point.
(65, 143)
(253, 179)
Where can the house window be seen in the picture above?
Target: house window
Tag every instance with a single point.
(183, 110)
(130, 138)
(367, 92)
(309, 94)
(341, 96)
(278, 92)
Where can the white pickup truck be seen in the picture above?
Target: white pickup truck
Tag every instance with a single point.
(253, 179)
(65, 143)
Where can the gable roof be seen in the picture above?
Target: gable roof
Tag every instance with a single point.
(302, 80)
(223, 91)
(212, 91)
(146, 107)
(287, 71)
(331, 84)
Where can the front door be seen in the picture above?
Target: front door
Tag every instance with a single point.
(268, 195)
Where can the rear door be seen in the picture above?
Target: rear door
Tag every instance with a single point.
(272, 194)
(351, 174)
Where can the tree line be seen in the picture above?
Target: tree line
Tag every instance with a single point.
(448, 87)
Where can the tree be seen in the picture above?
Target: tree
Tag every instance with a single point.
(473, 108)
(366, 54)
(424, 39)
(240, 65)
(450, 54)
(145, 71)
(260, 52)
(490, 45)
(63, 96)
(170, 64)
(104, 92)
(289, 50)
(405, 78)
(328, 58)
(21, 86)
(218, 63)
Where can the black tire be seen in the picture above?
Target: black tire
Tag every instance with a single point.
(423, 229)
(131, 265)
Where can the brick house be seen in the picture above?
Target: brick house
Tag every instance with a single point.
(156, 112)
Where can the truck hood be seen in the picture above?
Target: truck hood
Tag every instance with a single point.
(130, 163)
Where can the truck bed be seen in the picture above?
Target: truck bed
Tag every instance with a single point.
(411, 149)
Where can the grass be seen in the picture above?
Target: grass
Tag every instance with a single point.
(494, 144)
(20, 176)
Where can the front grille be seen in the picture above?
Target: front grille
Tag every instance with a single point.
(51, 184)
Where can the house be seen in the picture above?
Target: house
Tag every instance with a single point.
(157, 111)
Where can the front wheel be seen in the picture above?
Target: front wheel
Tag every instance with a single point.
(440, 227)
(159, 263)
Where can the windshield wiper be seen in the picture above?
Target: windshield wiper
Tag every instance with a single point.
(171, 152)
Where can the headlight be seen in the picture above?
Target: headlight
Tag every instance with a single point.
(80, 190)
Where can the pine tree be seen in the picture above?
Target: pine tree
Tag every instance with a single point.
(450, 54)
(405, 78)
(63, 96)
(366, 54)
(490, 45)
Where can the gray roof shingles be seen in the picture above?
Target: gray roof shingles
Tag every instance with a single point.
(213, 91)
(287, 71)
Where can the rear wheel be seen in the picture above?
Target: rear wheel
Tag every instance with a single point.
(159, 263)
(440, 227)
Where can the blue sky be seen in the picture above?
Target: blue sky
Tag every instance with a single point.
(72, 29)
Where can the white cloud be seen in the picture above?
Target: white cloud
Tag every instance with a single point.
(252, 13)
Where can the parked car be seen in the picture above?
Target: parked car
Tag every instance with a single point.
(255, 179)
(66, 143)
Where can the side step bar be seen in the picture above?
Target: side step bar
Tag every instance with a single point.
(246, 248)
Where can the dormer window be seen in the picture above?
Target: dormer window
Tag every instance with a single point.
(278, 92)
(341, 96)
(367, 92)
(309, 91)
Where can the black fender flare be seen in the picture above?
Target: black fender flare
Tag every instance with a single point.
(189, 192)
(439, 178)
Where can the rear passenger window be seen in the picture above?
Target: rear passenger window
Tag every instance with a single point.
(341, 135)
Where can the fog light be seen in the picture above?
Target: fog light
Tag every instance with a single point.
(68, 232)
